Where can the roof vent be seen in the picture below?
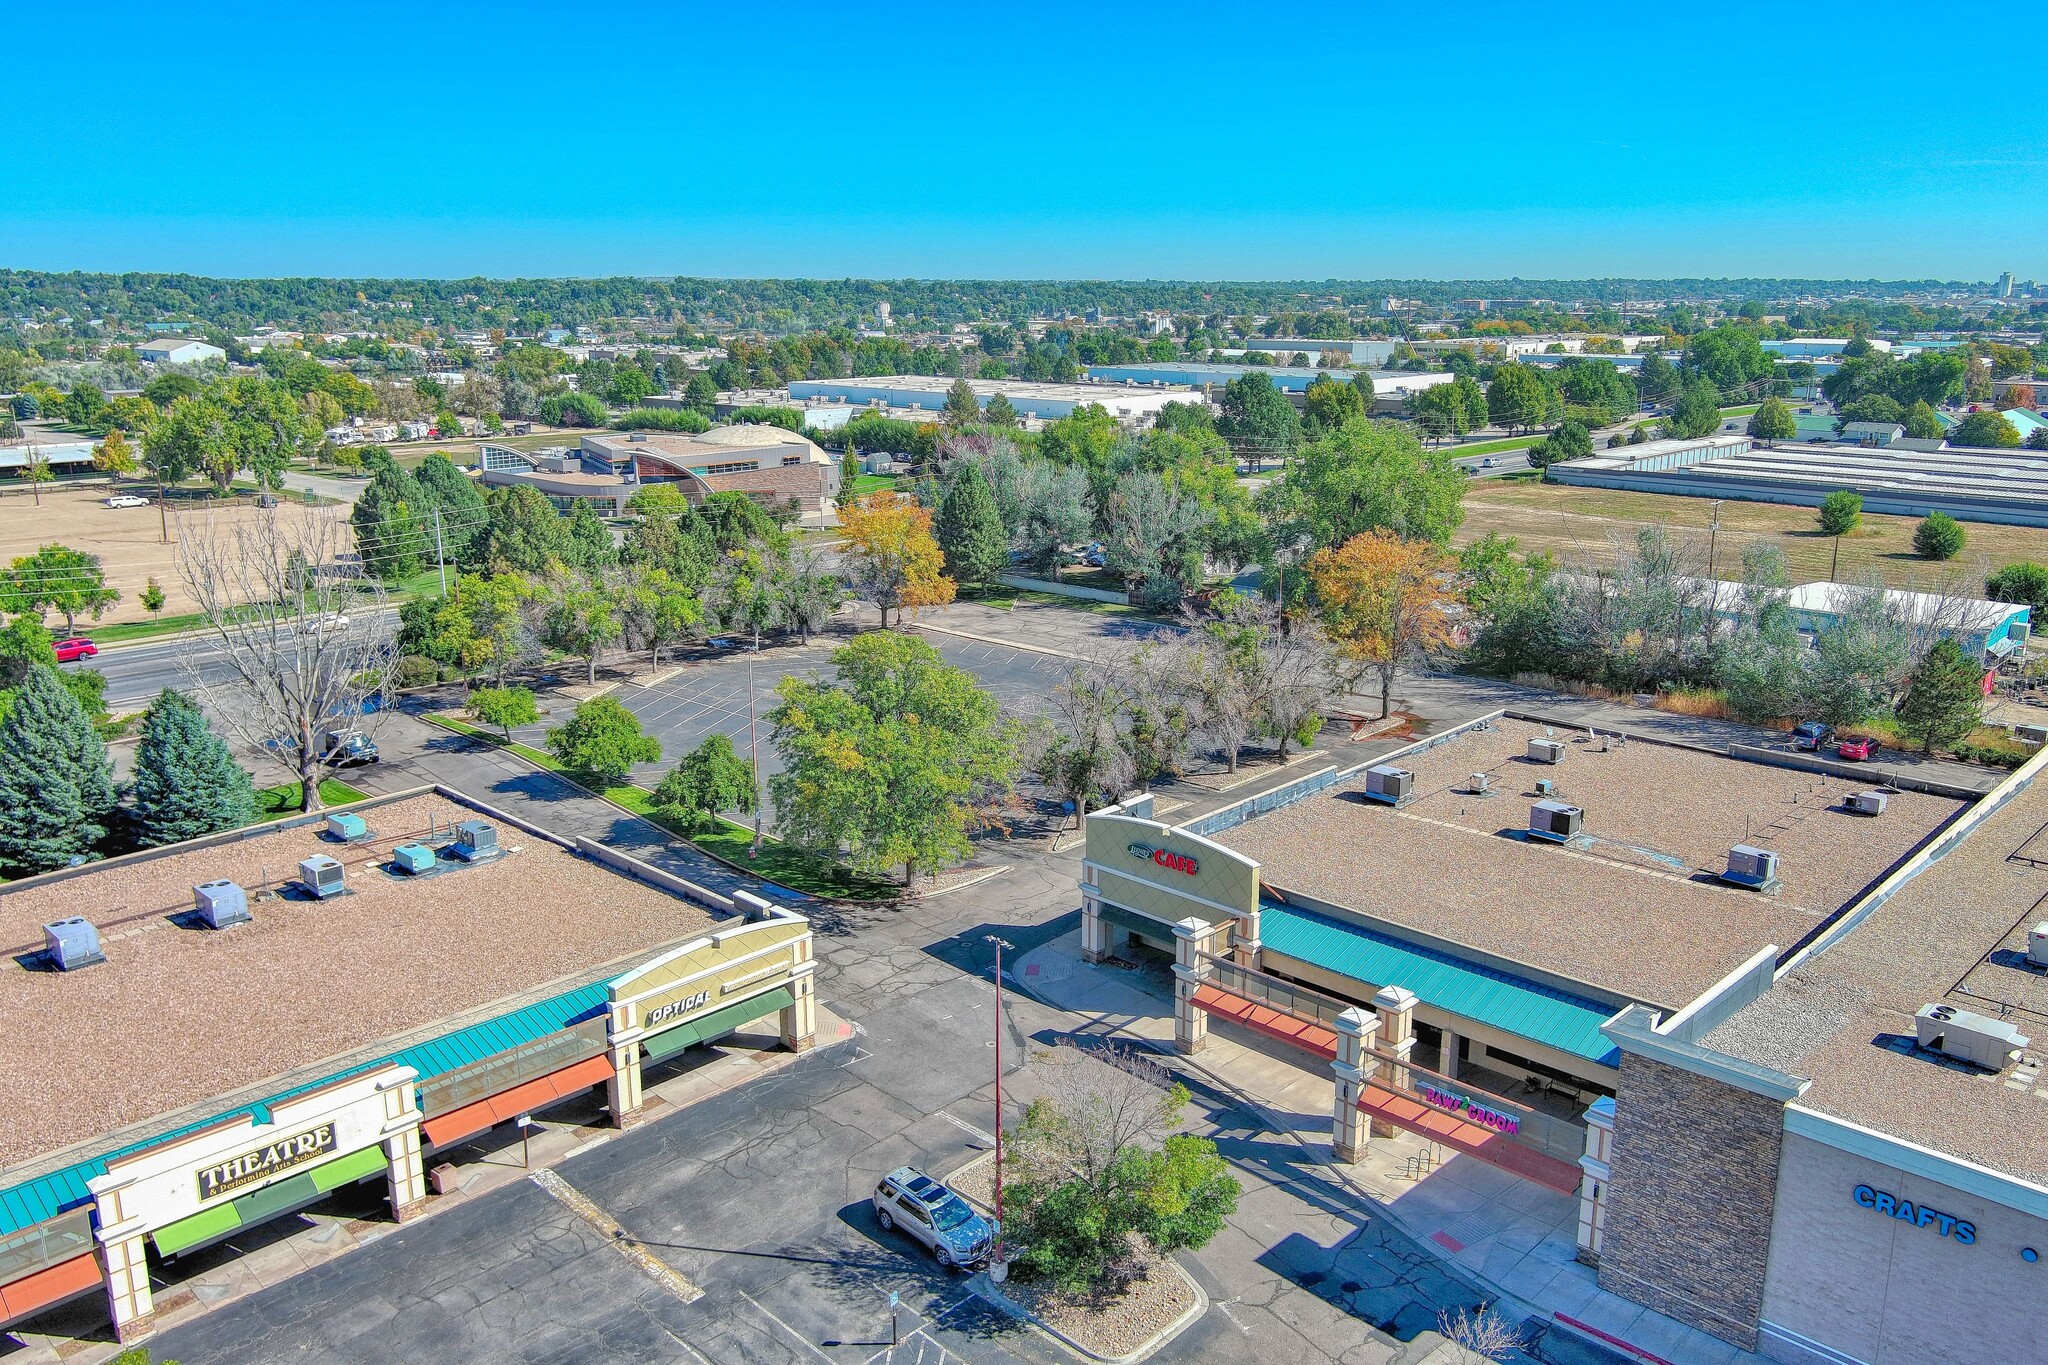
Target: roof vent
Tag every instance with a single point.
(1968, 1037)
(475, 839)
(1867, 803)
(347, 828)
(1480, 784)
(72, 943)
(321, 875)
(1554, 821)
(221, 903)
(1753, 868)
(1388, 784)
(2037, 945)
(413, 858)
(1546, 751)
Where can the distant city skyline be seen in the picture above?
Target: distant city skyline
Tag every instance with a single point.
(1200, 142)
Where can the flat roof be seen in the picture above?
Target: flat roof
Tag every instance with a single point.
(179, 1015)
(1633, 907)
(1957, 932)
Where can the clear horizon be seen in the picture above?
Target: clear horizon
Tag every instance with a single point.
(912, 141)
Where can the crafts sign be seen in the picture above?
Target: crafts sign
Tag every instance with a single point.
(1167, 858)
(257, 1166)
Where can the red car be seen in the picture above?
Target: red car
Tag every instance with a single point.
(74, 649)
(1856, 750)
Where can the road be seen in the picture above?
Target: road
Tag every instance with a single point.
(136, 672)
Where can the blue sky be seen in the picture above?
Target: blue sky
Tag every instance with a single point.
(1107, 140)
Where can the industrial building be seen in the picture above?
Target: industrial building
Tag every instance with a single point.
(927, 395)
(1390, 387)
(67, 455)
(202, 1038)
(607, 468)
(1361, 353)
(2006, 486)
(1756, 1025)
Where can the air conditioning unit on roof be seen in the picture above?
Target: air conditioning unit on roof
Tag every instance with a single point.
(2037, 945)
(1755, 869)
(1389, 784)
(346, 827)
(72, 943)
(1546, 751)
(1970, 1037)
(1867, 803)
(413, 858)
(1554, 821)
(321, 876)
(475, 839)
(221, 903)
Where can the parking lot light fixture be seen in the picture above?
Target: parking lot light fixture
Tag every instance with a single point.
(997, 1255)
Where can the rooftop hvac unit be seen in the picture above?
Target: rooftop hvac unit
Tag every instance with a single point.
(2037, 945)
(1970, 1037)
(1545, 787)
(1554, 820)
(2030, 734)
(1868, 803)
(221, 903)
(475, 839)
(1751, 867)
(1389, 784)
(413, 858)
(1481, 785)
(72, 943)
(347, 828)
(1546, 751)
(321, 875)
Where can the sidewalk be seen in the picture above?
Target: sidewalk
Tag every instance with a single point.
(1516, 1239)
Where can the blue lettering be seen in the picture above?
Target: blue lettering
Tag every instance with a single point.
(1948, 1224)
(1904, 1212)
(1885, 1204)
(1966, 1233)
(1927, 1217)
(1866, 1196)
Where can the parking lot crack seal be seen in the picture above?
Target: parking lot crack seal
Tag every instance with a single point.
(580, 1204)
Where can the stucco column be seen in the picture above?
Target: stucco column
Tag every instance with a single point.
(125, 1263)
(1448, 1062)
(1396, 1009)
(1094, 932)
(1244, 945)
(407, 1173)
(1190, 1021)
(1596, 1164)
(622, 1090)
(800, 1016)
(1353, 1068)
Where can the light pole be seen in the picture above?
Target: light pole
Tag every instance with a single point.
(997, 1254)
(754, 758)
(1713, 537)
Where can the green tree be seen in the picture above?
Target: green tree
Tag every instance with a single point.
(1986, 430)
(1329, 404)
(1938, 536)
(56, 784)
(1656, 379)
(590, 540)
(1840, 512)
(503, 707)
(1519, 397)
(701, 392)
(889, 760)
(1730, 357)
(1086, 437)
(1000, 412)
(709, 780)
(187, 782)
(1697, 411)
(1367, 476)
(962, 407)
(524, 532)
(1258, 420)
(1772, 421)
(1922, 423)
(460, 503)
(600, 744)
(59, 578)
(1570, 441)
(2021, 581)
(970, 529)
(152, 597)
(1871, 407)
(391, 536)
(582, 617)
(36, 471)
(1944, 701)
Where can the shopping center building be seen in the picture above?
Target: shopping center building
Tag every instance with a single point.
(198, 1039)
(1766, 1018)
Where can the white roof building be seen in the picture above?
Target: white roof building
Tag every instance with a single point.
(1049, 402)
(179, 351)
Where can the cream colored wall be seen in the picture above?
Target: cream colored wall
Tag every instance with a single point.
(1225, 884)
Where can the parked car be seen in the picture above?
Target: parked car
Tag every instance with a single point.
(1856, 750)
(74, 649)
(332, 620)
(1809, 735)
(347, 749)
(932, 1214)
(1092, 556)
(127, 500)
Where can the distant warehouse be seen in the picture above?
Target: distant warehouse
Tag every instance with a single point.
(1388, 386)
(926, 393)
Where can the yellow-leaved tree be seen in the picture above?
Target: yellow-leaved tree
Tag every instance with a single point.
(893, 557)
(1385, 602)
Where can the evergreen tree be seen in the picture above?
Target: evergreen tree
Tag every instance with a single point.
(1945, 699)
(186, 782)
(390, 530)
(56, 786)
(970, 529)
(962, 408)
(1000, 412)
(590, 540)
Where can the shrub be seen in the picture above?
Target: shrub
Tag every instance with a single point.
(1938, 536)
(414, 670)
(1840, 512)
(662, 419)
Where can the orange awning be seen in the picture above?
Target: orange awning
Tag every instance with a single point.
(472, 1119)
(1496, 1149)
(51, 1284)
(1271, 1022)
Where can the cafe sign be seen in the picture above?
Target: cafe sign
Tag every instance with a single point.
(258, 1165)
(1166, 858)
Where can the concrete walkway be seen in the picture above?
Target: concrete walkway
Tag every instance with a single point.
(1516, 1238)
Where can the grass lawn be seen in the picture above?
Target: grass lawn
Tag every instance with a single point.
(798, 869)
(1491, 447)
(864, 484)
(276, 803)
(115, 632)
(1588, 526)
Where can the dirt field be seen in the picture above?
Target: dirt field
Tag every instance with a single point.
(1585, 525)
(128, 541)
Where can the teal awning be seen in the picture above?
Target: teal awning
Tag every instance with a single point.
(716, 1024)
(1513, 1004)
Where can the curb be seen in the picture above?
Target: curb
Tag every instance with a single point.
(985, 1289)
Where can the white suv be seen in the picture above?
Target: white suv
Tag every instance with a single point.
(127, 500)
(954, 1233)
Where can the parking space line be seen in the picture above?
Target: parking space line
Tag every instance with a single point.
(799, 1337)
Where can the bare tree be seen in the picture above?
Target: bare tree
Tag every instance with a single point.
(276, 600)
(1094, 1105)
(1478, 1334)
(1083, 746)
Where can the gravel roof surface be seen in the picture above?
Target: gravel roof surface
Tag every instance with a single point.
(177, 1015)
(1637, 910)
(1957, 932)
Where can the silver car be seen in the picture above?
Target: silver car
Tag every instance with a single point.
(952, 1231)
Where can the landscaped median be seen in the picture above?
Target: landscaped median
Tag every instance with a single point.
(730, 843)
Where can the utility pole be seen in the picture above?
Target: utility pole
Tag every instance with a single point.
(997, 1254)
(754, 757)
(1713, 537)
(1834, 559)
(441, 558)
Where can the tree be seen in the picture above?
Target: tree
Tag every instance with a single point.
(892, 557)
(1859, 661)
(813, 592)
(888, 761)
(580, 616)
(1730, 357)
(1440, 411)
(524, 532)
(1000, 412)
(187, 783)
(1772, 421)
(1329, 404)
(113, 455)
(701, 392)
(1081, 749)
(657, 611)
(600, 744)
(56, 784)
(152, 597)
(461, 504)
(1944, 701)
(281, 673)
(1087, 437)
(1367, 476)
(962, 408)
(970, 530)
(1871, 407)
(59, 578)
(1518, 398)
(590, 540)
(1987, 430)
(1696, 413)
(1053, 512)
(1258, 420)
(1840, 512)
(1938, 536)
(1385, 602)
(37, 471)
(1656, 379)
(710, 780)
(1150, 532)
(1762, 660)
(503, 707)
(391, 536)
(2021, 581)
(1922, 423)
(1570, 441)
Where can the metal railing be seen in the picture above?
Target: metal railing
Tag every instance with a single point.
(1310, 1006)
(1532, 1128)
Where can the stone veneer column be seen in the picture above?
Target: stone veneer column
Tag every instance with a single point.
(800, 1016)
(1447, 1061)
(125, 1263)
(1396, 1009)
(1694, 1182)
(1597, 1173)
(1244, 942)
(407, 1173)
(1349, 1135)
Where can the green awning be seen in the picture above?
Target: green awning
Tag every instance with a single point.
(260, 1206)
(716, 1024)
